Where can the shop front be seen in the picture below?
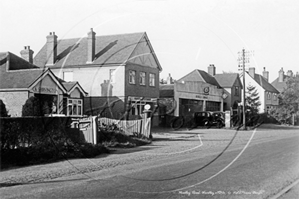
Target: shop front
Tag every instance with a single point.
(193, 97)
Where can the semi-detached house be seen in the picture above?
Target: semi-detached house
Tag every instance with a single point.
(119, 72)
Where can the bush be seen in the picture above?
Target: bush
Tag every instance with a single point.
(34, 140)
(3, 111)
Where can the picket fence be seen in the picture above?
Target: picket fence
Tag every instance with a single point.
(130, 127)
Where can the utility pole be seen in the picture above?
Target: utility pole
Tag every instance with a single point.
(243, 59)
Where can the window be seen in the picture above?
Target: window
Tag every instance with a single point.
(151, 79)
(68, 76)
(268, 95)
(275, 97)
(142, 78)
(131, 77)
(236, 91)
(112, 75)
(74, 107)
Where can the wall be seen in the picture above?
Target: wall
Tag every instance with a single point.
(92, 79)
(14, 101)
(138, 90)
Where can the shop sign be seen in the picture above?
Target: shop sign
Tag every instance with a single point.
(44, 90)
(201, 97)
(206, 90)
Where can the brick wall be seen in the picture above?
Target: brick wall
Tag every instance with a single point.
(14, 100)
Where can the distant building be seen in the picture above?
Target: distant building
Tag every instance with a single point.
(20, 79)
(280, 82)
(268, 95)
(118, 71)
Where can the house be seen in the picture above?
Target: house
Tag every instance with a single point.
(20, 79)
(280, 82)
(196, 91)
(232, 86)
(120, 72)
(268, 95)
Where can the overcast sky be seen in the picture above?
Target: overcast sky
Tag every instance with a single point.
(185, 35)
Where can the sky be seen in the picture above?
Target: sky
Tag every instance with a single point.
(185, 34)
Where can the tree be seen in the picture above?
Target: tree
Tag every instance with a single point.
(288, 101)
(3, 111)
(252, 100)
(32, 107)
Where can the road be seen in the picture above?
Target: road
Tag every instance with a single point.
(185, 164)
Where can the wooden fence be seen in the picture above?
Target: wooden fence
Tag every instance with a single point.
(130, 127)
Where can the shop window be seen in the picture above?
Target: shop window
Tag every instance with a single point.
(112, 73)
(213, 106)
(68, 76)
(137, 107)
(131, 77)
(74, 107)
(151, 79)
(142, 78)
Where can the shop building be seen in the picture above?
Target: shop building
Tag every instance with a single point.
(20, 79)
(197, 91)
(118, 71)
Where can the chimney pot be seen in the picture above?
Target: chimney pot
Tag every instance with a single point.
(266, 74)
(91, 46)
(51, 49)
(211, 69)
(27, 54)
(281, 75)
(252, 72)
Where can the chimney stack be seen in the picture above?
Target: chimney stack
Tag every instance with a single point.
(266, 74)
(169, 79)
(91, 46)
(51, 49)
(281, 75)
(252, 72)
(289, 73)
(212, 70)
(27, 54)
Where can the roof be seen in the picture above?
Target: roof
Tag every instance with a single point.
(263, 83)
(166, 90)
(227, 80)
(14, 78)
(110, 49)
(200, 75)
(280, 85)
(208, 78)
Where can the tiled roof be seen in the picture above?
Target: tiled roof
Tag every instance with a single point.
(14, 78)
(208, 78)
(264, 83)
(166, 90)
(110, 49)
(226, 80)
(280, 85)
(68, 85)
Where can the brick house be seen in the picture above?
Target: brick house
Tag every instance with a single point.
(20, 79)
(118, 71)
(280, 82)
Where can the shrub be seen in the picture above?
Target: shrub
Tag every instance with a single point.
(3, 111)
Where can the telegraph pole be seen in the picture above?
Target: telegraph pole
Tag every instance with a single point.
(243, 59)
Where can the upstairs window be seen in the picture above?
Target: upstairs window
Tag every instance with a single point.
(268, 95)
(236, 91)
(131, 77)
(142, 78)
(275, 97)
(151, 79)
